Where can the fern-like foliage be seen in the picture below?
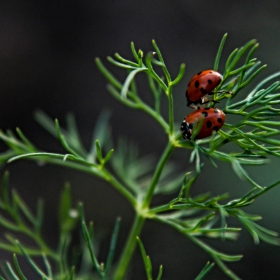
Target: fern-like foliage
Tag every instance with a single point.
(139, 179)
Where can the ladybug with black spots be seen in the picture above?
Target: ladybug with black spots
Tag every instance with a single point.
(201, 84)
(213, 119)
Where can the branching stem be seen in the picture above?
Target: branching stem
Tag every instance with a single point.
(129, 247)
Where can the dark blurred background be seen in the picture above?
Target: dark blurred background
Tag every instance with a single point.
(47, 52)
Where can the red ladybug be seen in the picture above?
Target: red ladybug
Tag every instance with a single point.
(201, 84)
(213, 120)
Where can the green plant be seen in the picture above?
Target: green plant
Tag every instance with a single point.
(254, 138)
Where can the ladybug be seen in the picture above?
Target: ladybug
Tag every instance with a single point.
(201, 84)
(213, 120)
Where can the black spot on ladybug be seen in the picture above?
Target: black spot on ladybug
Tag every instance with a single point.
(211, 72)
(210, 82)
(215, 111)
(196, 84)
(199, 73)
(206, 108)
(205, 114)
(209, 124)
(215, 128)
(220, 120)
(203, 90)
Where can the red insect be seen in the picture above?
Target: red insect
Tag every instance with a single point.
(201, 84)
(213, 120)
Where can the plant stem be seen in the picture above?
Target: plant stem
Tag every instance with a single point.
(139, 219)
(119, 187)
(141, 105)
(129, 247)
(171, 113)
(168, 150)
(104, 174)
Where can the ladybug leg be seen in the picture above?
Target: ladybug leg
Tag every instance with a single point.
(199, 103)
(189, 104)
(211, 93)
(206, 100)
(193, 107)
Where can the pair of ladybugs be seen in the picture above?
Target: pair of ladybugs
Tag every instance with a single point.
(200, 85)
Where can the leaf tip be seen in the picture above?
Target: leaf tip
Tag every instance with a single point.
(10, 160)
(225, 36)
(80, 207)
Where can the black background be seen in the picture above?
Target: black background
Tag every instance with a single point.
(47, 52)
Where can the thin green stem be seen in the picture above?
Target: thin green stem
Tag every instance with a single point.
(110, 178)
(24, 228)
(168, 150)
(14, 249)
(171, 109)
(101, 173)
(105, 175)
(71, 164)
(141, 105)
(159, 209)
(129, 247)
(45, 248)
(139, 219)
(225, 269)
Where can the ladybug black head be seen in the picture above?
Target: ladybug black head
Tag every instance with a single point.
(185, 128)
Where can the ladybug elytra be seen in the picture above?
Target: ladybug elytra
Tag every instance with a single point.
(201, 84)
(213, 119)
